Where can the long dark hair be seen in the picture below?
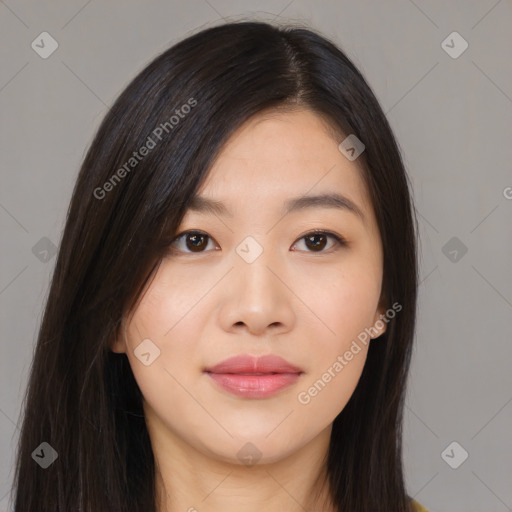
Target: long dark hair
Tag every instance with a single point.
(82, 398)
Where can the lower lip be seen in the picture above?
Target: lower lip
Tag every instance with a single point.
(254, 386)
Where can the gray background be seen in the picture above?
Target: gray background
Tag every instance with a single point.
(452, 118)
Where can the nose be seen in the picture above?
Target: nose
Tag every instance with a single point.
(257, 298)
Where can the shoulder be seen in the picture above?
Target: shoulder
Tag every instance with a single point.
(416, 507)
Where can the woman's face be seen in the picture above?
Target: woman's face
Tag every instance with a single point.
(255, 282)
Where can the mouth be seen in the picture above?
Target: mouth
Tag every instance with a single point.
(252, 377)
(255, 385)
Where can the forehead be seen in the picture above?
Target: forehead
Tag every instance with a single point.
(288, 134)
(276, 155)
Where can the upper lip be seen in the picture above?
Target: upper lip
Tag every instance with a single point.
(247, 364)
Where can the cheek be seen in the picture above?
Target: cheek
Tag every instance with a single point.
(344, 300)
(332, 380)
(165, 316)
(168, 384)
(168, 308)
(346, 305)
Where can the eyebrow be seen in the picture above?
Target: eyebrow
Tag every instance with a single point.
(329, 200)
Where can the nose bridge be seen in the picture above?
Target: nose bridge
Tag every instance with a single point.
(253, 257)
(251, 250)
(255, 296)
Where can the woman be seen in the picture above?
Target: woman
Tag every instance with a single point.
(232, 312)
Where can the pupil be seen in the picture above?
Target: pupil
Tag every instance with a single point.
(317, 244)
(194, 241)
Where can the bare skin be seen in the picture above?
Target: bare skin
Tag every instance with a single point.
(305, 301)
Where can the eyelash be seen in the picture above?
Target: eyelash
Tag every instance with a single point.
(340, 241)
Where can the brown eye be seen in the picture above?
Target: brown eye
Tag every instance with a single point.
(317, 241)
(195, 241)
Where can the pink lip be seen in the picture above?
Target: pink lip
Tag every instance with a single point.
(254, 377)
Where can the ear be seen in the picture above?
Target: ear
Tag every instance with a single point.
(118, 343)
(118, 346)
(379, 321)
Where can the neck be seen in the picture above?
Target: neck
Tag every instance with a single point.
(189, 480)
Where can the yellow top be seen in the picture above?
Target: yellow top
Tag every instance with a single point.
(418, 507)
